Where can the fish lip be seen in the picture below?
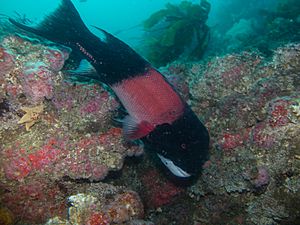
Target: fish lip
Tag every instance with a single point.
(177, 171)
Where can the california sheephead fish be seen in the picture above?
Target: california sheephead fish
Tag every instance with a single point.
(157, 114)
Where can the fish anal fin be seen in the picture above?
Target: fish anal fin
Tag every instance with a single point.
(84, 72)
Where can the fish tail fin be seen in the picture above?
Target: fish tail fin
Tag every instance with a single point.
(63, 25)
(113, 60)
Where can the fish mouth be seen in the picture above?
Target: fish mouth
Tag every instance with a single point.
(177, 171)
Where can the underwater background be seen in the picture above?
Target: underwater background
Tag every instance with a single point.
(63, 159)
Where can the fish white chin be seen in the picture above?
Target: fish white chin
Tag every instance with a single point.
(177, 171)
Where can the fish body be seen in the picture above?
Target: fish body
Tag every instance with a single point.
(149, 100)
(157, 114)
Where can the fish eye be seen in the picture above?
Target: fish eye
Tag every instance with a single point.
(183, 146)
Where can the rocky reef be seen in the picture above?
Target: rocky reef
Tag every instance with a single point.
(250, 105)
(62, 160)
(51, 130)
(102, 204)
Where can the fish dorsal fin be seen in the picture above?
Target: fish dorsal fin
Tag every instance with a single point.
(135, 130)
(84, 72)
(102, 34)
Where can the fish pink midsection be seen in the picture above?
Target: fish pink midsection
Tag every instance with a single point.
(150, 98)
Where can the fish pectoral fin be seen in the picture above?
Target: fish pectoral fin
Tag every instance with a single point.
(135, 130)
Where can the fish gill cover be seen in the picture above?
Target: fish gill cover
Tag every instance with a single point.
(58, 141)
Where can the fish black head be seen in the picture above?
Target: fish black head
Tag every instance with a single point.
(182, 146)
